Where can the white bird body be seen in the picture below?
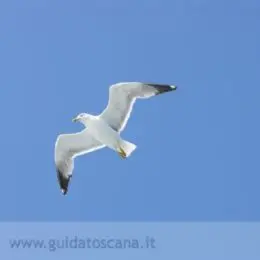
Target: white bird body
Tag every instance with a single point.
(103, 130)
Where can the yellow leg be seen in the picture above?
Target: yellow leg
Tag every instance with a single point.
(121, 152)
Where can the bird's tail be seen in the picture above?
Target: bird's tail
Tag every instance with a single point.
(127, 147)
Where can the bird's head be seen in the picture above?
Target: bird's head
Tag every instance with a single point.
(82, 118)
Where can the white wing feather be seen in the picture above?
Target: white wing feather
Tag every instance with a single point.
(69, 146)
(122, 97)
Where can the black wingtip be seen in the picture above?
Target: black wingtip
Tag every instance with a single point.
(64, 192)
(63, 182)
(162, 88)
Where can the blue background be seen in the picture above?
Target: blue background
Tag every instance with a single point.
(197, 155)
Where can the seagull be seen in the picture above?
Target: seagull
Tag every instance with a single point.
(103, 130)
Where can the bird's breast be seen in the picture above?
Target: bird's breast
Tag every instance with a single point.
(102, 132)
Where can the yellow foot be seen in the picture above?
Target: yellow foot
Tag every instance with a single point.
(122, 153)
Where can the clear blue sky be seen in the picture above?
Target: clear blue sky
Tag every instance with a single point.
(198, 148)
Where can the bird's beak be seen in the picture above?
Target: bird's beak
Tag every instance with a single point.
(75, 119)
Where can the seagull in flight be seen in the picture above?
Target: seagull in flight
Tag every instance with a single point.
(103, 130)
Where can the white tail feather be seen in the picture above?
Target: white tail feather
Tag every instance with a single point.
(127, 147)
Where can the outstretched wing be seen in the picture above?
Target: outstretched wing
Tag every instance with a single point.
(67, 147)
(122, 97)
